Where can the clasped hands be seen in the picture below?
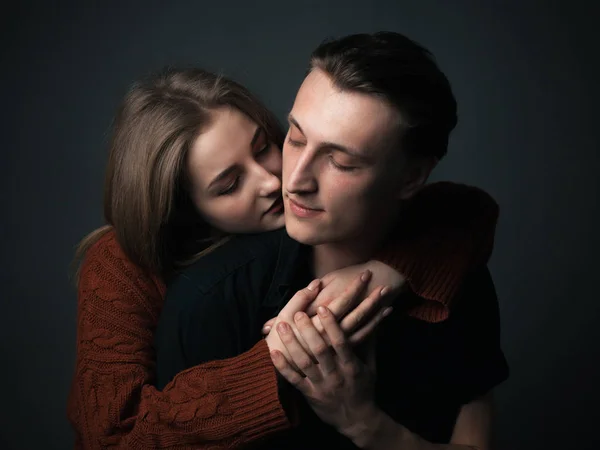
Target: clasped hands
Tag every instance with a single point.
(314, 353)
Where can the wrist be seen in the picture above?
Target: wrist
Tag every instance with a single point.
(386, 275)
(363, 430)
(286, 399)
(376, 431)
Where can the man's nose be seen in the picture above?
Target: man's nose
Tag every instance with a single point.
(301, 178)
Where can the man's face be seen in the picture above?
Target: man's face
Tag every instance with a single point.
(342, 168)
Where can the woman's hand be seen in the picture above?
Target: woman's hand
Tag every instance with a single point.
(365, 313)
(336, 281)
(360, 317)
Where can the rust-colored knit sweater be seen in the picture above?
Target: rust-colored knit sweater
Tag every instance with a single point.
(224, 404)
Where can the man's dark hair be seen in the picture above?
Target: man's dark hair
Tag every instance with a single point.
(402, 72)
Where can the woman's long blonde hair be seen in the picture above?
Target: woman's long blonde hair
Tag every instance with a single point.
(145, 192)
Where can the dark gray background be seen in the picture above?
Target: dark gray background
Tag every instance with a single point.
(526, 78)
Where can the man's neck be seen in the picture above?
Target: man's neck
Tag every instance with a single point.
(334, 256)
(329, 257)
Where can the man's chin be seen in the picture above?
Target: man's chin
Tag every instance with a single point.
(302, 234)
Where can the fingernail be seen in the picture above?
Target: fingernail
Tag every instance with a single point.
(387, 311)
(365, 276)
(298, 316)
(283, 327)
(314, 284)
(266, 330)
(385, 290)
(322, 311)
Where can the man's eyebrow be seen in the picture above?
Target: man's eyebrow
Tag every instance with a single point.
(294, 122)
(342, 148)
(222, 176)
(257, 133)
(332, 145)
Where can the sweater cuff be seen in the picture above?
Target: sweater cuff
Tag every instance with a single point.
(433, 279)
(251, 384)
(443, 236)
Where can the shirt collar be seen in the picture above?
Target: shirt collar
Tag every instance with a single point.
(292, 264)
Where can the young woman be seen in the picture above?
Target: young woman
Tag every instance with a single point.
(195, 157)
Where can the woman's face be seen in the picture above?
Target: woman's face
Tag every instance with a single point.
(235, 175)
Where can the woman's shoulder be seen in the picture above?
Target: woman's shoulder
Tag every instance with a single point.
(107, 261)
(107, 251)
(107, 242)
(118, 303)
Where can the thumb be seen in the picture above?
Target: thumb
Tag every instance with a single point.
(302, 298)
(268, 325)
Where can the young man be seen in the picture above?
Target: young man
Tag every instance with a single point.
(369, 123)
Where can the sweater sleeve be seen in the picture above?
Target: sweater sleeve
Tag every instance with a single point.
(112, 402)
(446, 231)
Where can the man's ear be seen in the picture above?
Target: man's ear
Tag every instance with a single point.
(415, 176)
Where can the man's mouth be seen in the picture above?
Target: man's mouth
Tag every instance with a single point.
(303, 211)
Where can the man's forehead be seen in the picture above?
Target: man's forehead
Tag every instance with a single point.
(353, 119)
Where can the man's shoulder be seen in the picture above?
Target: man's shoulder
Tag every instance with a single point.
(455, 360)
(250, 253)
(474, 318)
(477, 298)
(451, 207)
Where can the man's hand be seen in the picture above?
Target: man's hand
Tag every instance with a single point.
(337, 385)
(299, 302)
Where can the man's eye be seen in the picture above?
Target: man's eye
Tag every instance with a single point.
(294, 143)
(340, 166)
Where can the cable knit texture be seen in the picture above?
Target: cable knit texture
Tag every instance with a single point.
(226, 404)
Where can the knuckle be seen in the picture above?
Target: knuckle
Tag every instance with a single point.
(345, 325)
(337, 342)
(302, 321)
(294, 378)
(353, 369)
(327, 318)
(276, 358)
(368, 329)
(320, 350)
(355, 288)
(358, 336)
(287, 338)
(375, 298)
(359, 368)
(337, 381)
(303, 294)
(304, 363)
(359, 316)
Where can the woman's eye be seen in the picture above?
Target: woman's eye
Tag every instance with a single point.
(231, 188)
